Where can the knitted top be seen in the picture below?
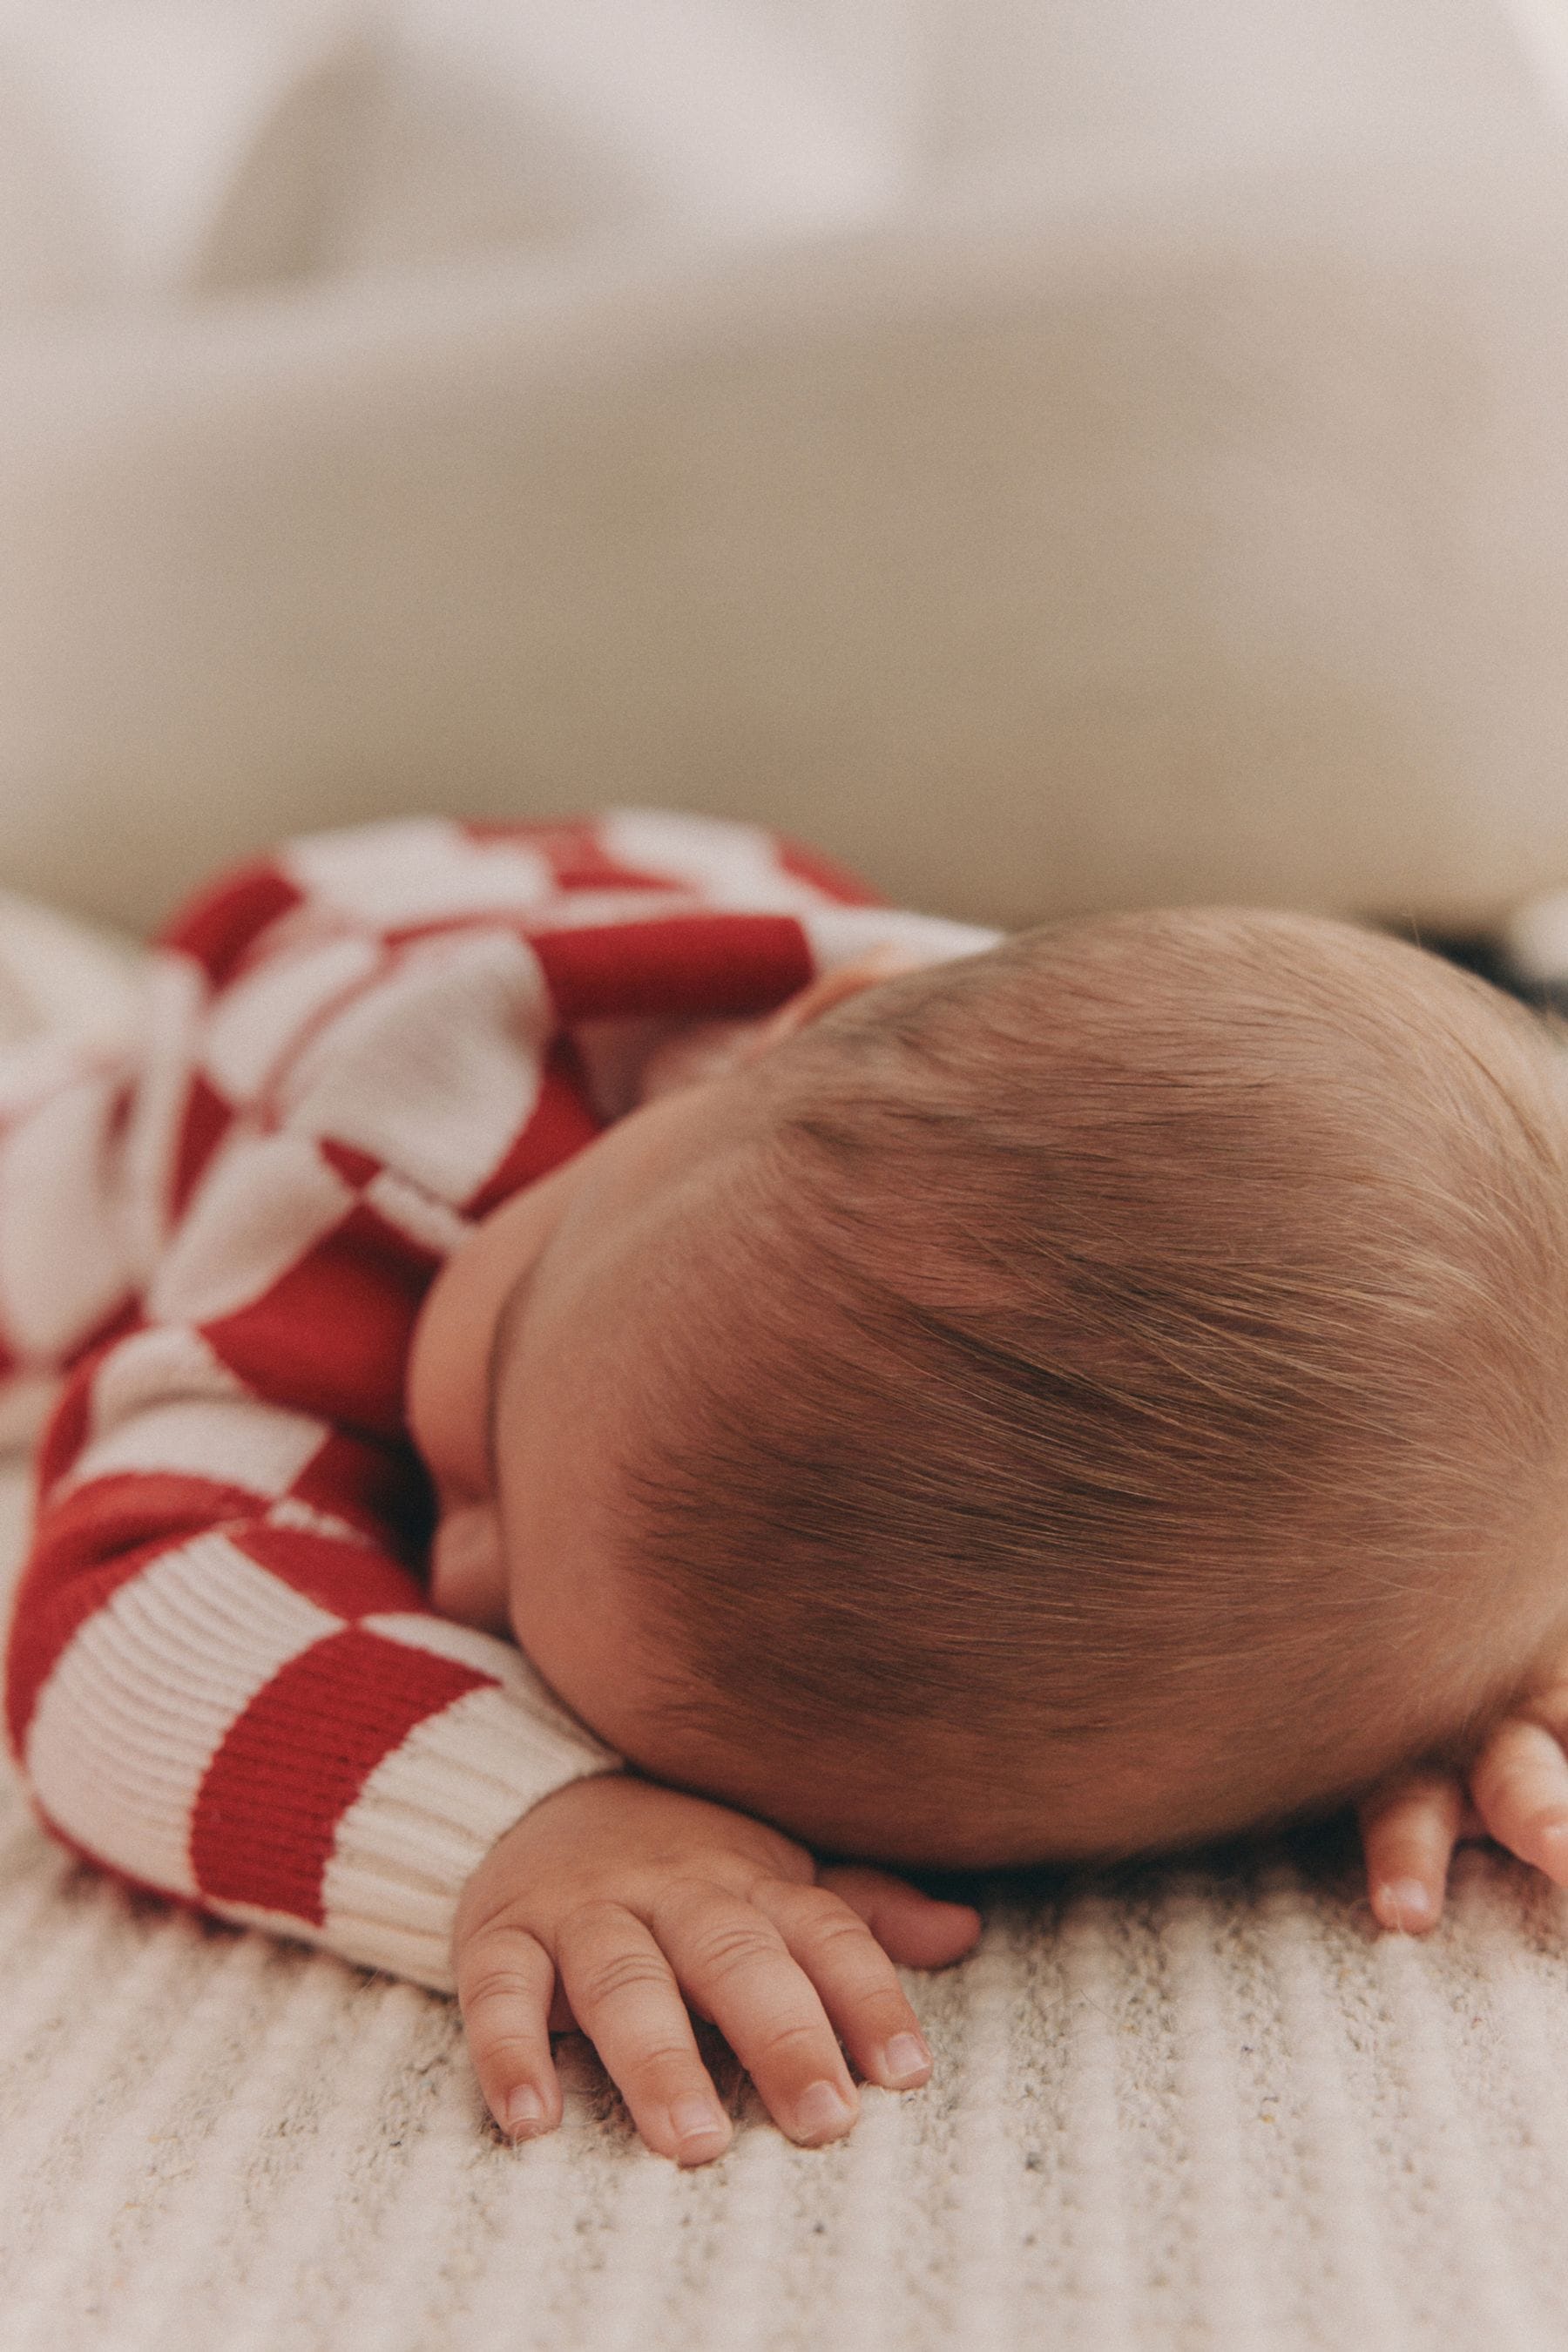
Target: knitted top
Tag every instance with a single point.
(224, 1679)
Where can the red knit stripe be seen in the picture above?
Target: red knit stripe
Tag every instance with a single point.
(332, 1335)
(355, 1166)
(205, 1122)
(219, 923)
(825, 874)
(698, 964)
(128, 1509)
(267, 1812)
(71, 1423)
(560, 1124)
(65, 1433)
(348, 1577)
(110, 1329)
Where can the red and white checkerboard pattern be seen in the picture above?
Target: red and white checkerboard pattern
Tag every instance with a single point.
(223, 1677)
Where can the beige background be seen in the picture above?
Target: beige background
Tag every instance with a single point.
(1050, 463)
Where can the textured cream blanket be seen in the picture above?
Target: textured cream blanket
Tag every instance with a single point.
(1194, 2107)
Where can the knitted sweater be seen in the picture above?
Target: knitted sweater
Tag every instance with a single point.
(224, 1679)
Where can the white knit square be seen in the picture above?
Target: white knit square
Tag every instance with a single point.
(256, 1022)
(416, 871)
(727, 865)
(168, 1363)
(263, 1203)
(587, 910)
(259, 1447)
(34, 1067)
(26, 1401)
(176, 995)
(435, 1068)
(140, 1698)
(63, 1254)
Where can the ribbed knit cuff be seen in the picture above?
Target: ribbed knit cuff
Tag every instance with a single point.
(430, 1812)
(425, 1821)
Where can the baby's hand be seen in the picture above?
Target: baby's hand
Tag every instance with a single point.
(1518, 1794)
(615, 1904)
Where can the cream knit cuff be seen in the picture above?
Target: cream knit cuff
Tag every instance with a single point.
(430, 1812)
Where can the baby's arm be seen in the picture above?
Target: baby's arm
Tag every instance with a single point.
(223, 1677)
(225, 1682)
(1516, 1794)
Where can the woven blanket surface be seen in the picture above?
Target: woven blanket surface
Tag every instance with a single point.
(1203, 2107)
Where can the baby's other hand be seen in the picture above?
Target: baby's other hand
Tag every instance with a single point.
(1516, 1794)
(616, 1904)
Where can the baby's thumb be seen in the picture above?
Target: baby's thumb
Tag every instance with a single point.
(915, 1930)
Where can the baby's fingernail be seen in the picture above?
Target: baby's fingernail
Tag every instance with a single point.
(906, 2061)
(699, 2128)
(821, 2112)
(1404, 1903)
(523, 2114)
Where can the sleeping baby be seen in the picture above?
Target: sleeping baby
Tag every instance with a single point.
(612, 1394)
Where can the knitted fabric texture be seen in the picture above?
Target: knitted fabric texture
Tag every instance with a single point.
(225, 1680)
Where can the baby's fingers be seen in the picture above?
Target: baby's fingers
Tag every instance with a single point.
(629, 2004)
(1408, 1825)
(504, 1981)
(854, 1979)
(733, 1964)
(1520, 1782)
(916, 1929)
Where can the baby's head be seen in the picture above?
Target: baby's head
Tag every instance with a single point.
(1103, 1393)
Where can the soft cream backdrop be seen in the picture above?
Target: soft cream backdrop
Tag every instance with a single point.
(1050, 459)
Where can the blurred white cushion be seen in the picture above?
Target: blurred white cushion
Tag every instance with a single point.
(1048, 455)
(161, 149)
